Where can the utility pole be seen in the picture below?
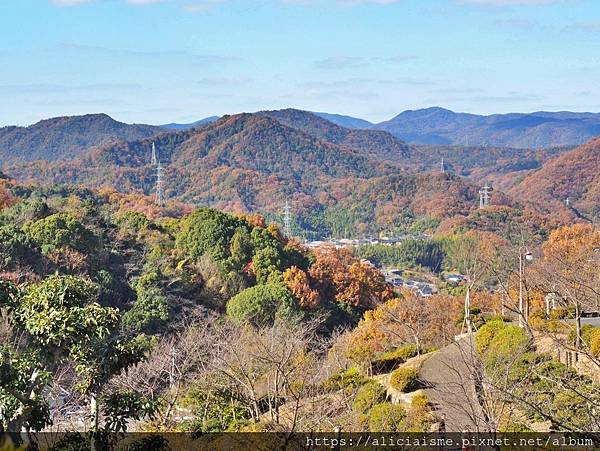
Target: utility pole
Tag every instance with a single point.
(523, 309)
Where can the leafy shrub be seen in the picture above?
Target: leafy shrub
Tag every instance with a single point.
(368, 395)
(387, 361)
(586, 333)
(507, 342)
(404, 379)
(538, 323)
(58, 231)
(514, 426)
(215, 411)
(387, 417)
(421, 401)
(150, 310)
(14, 246)
(133, 221)
(208, 231)
(486, 334)
(595, 342)
(419, 416)
(350, 378)
(263, 304)
(562, 313)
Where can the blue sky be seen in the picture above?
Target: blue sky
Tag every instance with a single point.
(157, 61)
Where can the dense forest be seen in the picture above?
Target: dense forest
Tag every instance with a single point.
(181, 319)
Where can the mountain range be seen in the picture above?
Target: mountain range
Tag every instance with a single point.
(533, 130)
(338, 178)
(254, 162)
(440, 126)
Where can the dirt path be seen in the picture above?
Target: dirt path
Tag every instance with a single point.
(450, 387)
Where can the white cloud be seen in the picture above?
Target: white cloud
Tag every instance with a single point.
(68, 2)
(200, 6)
(142, 2)
(350, 62)
(510, 2)
(81, 2)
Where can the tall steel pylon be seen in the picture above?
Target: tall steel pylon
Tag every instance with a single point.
(484, 196)
(158, 195)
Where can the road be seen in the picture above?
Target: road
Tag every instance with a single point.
(591, 321)
(450, 387)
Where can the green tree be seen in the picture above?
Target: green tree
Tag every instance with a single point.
(267, 265)
(263, 304)
(387, 417)
(58, 231)
(151, 308)
(241, 248)
(14, 246)
(208, 231)
(22, 381)
(62, 322)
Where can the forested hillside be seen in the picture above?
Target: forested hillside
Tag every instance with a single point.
(378, 144)
(63, 138)
(439, 126)
(573, 175)
(340, 182)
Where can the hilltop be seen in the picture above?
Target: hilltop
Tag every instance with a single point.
(345, 121)
(541, 129)
(376, 143)
(66, 137)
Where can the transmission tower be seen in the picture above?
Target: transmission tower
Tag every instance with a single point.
(287, 220)
(158, 196)
(154, 159)
(484, 196)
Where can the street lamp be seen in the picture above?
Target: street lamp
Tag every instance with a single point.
(523, 252)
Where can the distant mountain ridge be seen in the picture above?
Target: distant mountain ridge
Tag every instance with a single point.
(377, 143)
(176, 126)
(439, 126)
(253, 162)
(345, 121)
(65, 137)
(336, 178)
